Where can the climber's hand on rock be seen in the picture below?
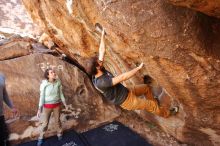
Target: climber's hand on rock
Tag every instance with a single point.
(103, 32)
(141, 65)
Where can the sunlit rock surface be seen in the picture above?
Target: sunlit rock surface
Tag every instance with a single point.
(180, 49)
(24, 73)
(15, 20)
(209, 7)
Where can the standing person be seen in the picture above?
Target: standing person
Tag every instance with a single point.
(51, 96)
(4, 98)
(127, 98)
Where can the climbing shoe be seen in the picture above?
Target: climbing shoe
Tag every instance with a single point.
(39, 142)
(60, 137)
(174, 110)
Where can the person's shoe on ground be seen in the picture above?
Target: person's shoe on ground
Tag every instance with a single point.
(39, 142)
(60, 137)
(174, 110)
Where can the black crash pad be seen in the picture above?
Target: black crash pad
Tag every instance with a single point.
(114, 134)
(70, 138)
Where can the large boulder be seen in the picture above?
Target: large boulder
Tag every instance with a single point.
(180, 49)
(15, 48)
(23, 78)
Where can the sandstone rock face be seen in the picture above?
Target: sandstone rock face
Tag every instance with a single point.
(15, 48)
(14, 19)
(23, 78)
(180, 49)
(210, 7)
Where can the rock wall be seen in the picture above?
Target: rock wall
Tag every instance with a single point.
(15, 47)
(24, 73)
(209, 7)
(180, 49)
(15, 20)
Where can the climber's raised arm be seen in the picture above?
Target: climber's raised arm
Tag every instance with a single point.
(127, 75)
(102, 46)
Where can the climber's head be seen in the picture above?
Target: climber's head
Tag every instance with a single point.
(95, 65)
(50, 74)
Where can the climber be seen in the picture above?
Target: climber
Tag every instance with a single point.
(113, 91)
(4, 98)
(51, 96)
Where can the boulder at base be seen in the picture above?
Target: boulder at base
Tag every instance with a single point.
(23, 78)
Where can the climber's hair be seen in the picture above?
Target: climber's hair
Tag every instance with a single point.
(94, 63)
(46, 73)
